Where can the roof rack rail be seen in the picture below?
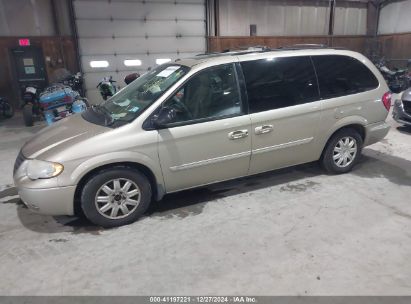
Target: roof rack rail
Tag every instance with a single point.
(248, 50)
(309, 46)
(261, 48)
(206, 54)
(305, 46)
(240, 50)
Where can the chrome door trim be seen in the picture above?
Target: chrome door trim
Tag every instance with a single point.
(283, 146)
(210, 161)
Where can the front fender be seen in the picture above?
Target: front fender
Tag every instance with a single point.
(111, 158)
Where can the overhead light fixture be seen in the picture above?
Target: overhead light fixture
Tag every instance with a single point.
(132, 62)
(162, 60)
(99, 63)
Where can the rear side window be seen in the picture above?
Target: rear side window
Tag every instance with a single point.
(279, 82)
(342, 75)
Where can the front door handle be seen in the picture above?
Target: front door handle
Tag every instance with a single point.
(238, 134)
(264, 129)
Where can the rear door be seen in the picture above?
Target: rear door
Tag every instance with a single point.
(209, 139)
(285, 111)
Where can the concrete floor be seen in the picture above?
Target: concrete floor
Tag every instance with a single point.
(292, 232)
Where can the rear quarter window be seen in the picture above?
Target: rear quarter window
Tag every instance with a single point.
(279, 82)
(340, 75)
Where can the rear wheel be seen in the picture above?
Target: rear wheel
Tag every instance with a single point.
(28, 115)
(116, 197)
(342, 151)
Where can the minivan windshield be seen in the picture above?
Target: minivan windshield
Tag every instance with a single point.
(131, 101)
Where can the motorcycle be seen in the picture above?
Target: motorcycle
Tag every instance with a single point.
(106, 87)
(398, 80)
(60, 101)
(30, 105)
(55, 102)
(6, 109)
(75, 82)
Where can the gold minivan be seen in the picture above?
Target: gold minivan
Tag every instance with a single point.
(203, 120)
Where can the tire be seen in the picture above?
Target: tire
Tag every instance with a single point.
(28, 115)
(8, 110)
(110, 209)
(342, 140)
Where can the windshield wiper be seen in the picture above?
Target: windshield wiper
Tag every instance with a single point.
(108, 119)
(119, 122)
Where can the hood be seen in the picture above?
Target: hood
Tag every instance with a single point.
(66, 132)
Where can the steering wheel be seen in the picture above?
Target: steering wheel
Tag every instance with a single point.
(180, 107)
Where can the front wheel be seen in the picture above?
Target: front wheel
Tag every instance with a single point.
(342, 151)
(116, 197)
(28, 115)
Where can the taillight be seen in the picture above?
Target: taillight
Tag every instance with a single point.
(386, 100)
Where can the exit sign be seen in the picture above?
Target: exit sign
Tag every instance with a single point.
(24, 42)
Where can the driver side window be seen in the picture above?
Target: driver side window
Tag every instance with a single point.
(210, 94)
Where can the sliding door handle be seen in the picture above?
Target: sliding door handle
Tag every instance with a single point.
(264, 129)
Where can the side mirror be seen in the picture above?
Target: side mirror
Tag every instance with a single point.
(164, 117)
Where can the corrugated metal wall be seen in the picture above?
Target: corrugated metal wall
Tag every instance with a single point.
(395, 17)
(290, 18)
(350, 18)
(32, 18)
(26, 17)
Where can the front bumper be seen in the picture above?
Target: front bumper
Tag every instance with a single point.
(43, 196)
(51, 201)
(399, 114)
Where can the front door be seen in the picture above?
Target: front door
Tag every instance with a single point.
(285, 111)
(209, 140)
(29, 67)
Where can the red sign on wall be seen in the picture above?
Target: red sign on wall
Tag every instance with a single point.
(24, 42)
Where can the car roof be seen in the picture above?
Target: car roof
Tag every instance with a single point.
(263, 52)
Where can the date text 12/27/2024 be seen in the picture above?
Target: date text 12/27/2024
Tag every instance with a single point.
(203, 299)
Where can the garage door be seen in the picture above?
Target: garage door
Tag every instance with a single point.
(117, 37)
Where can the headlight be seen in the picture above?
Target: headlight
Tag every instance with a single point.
(36, 169)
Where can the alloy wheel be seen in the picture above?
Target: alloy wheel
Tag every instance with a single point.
(345, 151)
(118, 198)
